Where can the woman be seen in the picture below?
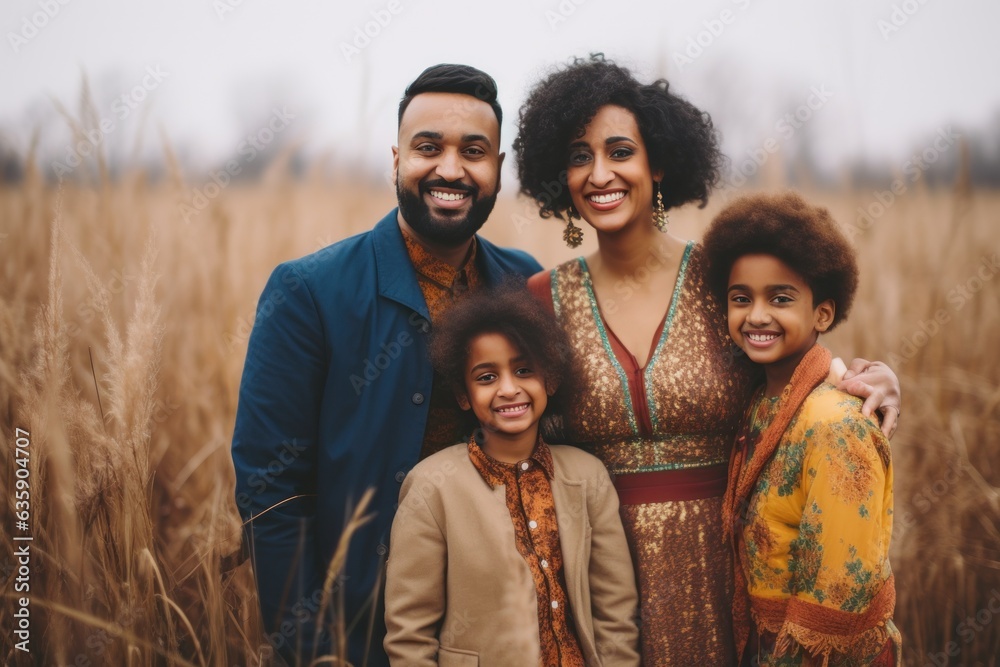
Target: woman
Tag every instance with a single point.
(662, 389)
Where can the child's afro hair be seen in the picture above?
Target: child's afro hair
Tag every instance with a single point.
(785, 226)
(509, 310)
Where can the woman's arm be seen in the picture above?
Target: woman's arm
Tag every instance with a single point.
(415, 595)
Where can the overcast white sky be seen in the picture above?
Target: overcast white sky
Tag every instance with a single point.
(225, 63)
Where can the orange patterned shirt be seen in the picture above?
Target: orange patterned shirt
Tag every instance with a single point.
(536, 535)
(441, 284)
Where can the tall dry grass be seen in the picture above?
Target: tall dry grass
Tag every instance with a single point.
(122, 336)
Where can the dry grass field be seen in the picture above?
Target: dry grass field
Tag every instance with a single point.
(123, 329)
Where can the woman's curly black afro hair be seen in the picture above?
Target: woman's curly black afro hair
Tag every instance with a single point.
(804, 237)
(680, 139)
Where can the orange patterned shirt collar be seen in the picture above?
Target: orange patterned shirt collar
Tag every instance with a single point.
(495, 472)
(439, 281)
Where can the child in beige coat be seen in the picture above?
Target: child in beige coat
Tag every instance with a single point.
(506, 550)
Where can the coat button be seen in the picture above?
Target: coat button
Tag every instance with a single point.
(417, 398)
(400, 476)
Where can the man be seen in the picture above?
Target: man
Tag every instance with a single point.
(338, 395)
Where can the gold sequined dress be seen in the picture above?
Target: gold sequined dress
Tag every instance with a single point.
(665, 432)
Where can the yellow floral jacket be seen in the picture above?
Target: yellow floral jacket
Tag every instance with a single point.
(814, 543)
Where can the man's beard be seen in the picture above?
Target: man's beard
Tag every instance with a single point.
(448, 232)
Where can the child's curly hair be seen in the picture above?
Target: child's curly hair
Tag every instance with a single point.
(785, 226)
(509, 310)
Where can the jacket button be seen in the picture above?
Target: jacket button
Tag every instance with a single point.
(400, 476)
(417, 398)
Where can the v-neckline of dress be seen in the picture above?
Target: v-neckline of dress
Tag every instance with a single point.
(656, 344)
(644, 377)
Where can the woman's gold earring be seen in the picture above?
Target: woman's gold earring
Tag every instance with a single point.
(572, 235)
(660, 220)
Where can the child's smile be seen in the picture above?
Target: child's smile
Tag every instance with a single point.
(772, 316)
(513, 411)
(505, 391)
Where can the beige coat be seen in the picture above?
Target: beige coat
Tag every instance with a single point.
(459, 594)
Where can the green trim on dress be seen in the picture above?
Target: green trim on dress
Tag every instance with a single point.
(599, 321)
(671, 311)
(554, 286)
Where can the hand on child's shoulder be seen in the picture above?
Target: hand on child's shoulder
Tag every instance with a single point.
(831, 417)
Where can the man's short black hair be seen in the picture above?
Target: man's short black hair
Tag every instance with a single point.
(445, 78)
